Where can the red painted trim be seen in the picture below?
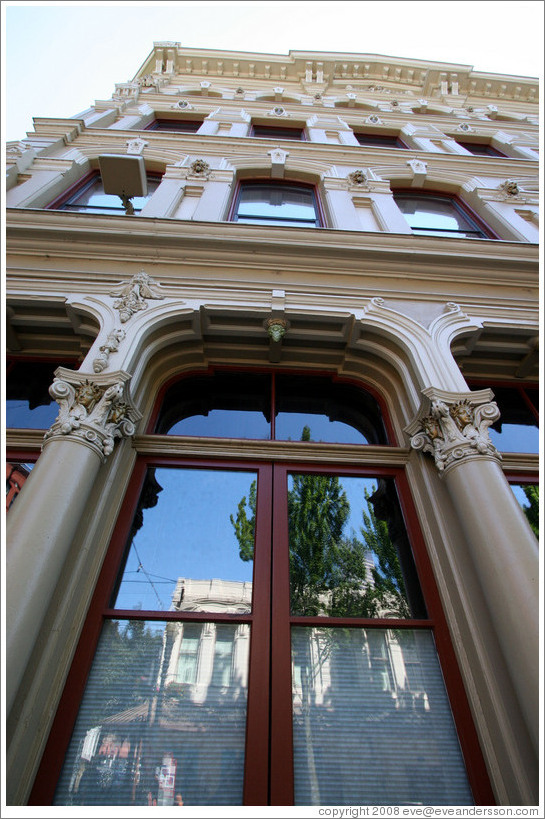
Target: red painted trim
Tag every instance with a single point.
(281, 770)
(256, 771)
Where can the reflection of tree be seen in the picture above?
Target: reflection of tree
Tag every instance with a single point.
(532, 511)
(129, 675)
(331, 573)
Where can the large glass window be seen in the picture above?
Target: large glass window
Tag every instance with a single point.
(265, 631)
(89, 197)
(437, 215)
(269, 203)
(279, 407)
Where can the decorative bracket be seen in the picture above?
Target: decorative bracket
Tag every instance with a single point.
(453, 426)
(94, 411)
(276, 330)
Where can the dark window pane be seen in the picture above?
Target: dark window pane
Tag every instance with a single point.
(276, 204)
(480, 148)
(379, 140)
(153, 728)
(372, 723)
(230, 405)
(517, 429)
(273, 132)
(437, 216)
(528, 498)
(349, 553)
(180, 125)
(183, 551)
(28, 404)
(333, 412)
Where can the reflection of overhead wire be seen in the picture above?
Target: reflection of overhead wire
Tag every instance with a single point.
(148, 576)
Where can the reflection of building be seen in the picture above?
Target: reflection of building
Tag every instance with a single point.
(310, 219)
(16, 475)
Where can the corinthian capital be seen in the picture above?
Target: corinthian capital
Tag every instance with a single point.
(453, 426)
(94, 410)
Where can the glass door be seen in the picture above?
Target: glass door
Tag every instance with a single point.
(273, 636)
(184, 639)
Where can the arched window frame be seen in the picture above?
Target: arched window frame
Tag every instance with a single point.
(70, 196)
(261, 729)
(319, 220)
(458, 205)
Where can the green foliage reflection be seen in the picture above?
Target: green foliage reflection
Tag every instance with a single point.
(331, 573)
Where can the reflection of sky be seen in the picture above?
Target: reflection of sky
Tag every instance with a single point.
(518, 491)
(187, 534)
(516, 438)
(253, 424)
(19, 416)
(289, 426)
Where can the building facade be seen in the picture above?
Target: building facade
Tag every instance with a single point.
(272, 335)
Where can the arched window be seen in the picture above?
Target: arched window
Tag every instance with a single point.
(434, 214)
(88, 196)
(265, 202)
(271, 407)
(270, 631)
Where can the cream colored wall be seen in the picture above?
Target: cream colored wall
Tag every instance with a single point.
(364, 299)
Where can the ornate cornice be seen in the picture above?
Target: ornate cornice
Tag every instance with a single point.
(453, 427)
(94, 410)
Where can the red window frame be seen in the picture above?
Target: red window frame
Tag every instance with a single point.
(268, 131)
(457, 203)
(84, 182)
(156, 125)
(268, 776)
(371, 139)
(488, 148)
(320, 216)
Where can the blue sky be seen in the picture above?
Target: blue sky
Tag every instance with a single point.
(59, 57)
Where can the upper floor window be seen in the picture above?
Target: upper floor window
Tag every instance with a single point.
(432, 214)
(276, 203)
(379, 140)
(276, 132)
(480, 148)
(88, 197)
(186, 126)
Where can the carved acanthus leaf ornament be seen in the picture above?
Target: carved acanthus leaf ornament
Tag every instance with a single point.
(93, 412)
(455, 427)
(134, 295)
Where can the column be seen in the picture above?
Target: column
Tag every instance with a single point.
(94, 411)
(453, 428)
